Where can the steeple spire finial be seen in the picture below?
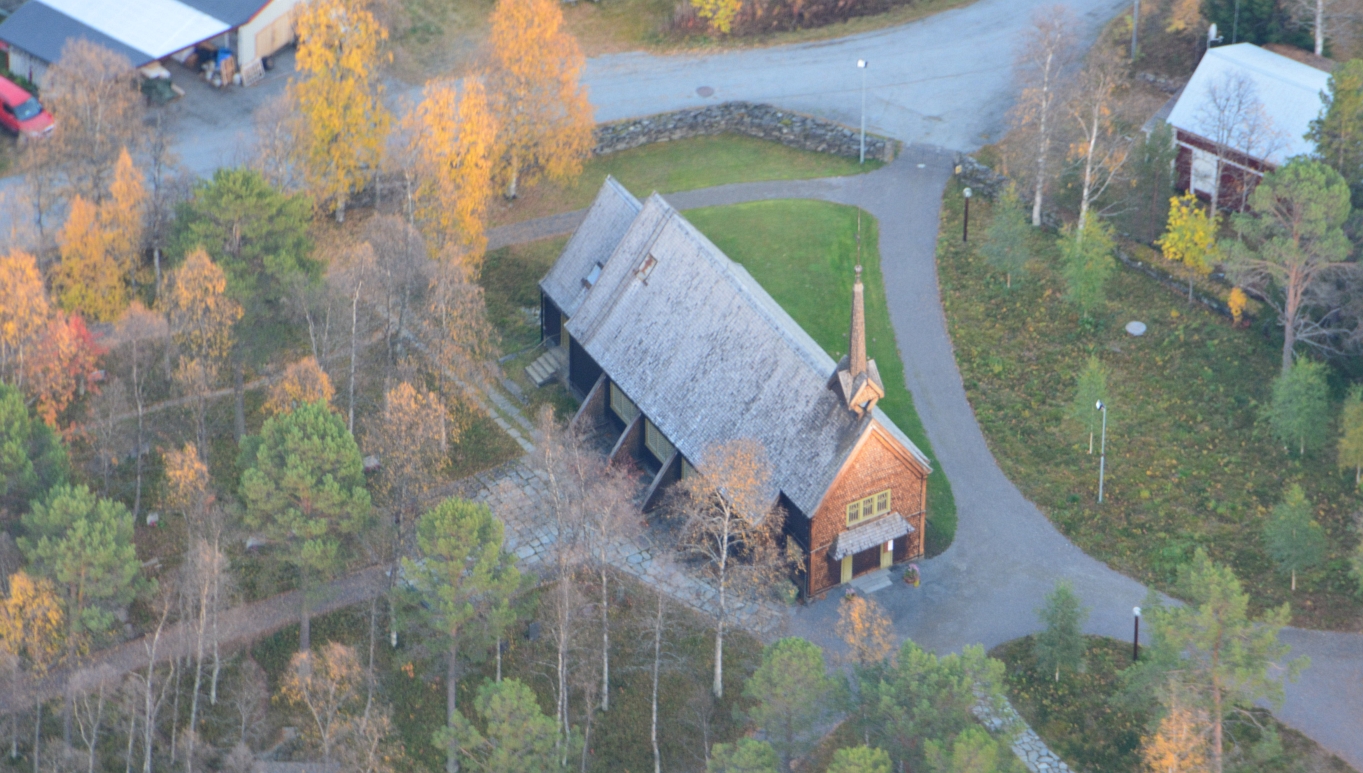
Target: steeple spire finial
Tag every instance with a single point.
(856, 376)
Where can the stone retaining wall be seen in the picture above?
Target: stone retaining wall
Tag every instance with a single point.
(755, 120)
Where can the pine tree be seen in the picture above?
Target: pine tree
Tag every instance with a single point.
(1338, 132)
(860, 759)
(84, 545)
(32, 457)
(303, 487)
(794, 695)
(1215, 649)
(519, 736)
(1295, 541)
(465, 577)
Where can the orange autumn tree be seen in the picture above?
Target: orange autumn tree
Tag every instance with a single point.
(866, 630)
(23, 306)
(1180, 744)
(87, 279)
(122, 216)
(338, 97)
(546, 119)
(31, 622)
(452, 142)
(62, 359)
(303, 382)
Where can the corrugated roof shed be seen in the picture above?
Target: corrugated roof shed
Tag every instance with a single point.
(143, 31)
(709, 357)
(1289, 91)
(43, 32)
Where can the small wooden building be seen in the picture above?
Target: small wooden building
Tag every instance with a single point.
(674, 348)
(1244, 112)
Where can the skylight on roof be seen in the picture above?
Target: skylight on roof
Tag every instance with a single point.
(593, 275)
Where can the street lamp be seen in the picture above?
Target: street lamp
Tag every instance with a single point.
(1135, 25)
(965, 224)
(1102, 452)
(1136, 637)
(861, 65)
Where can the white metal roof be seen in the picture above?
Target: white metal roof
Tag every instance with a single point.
(156, 27)
(1289, 91)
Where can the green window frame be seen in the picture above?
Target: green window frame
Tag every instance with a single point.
(622, 406)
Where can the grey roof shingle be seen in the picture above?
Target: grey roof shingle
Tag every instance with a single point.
(609, 217)
(877, 532)
(709, 356)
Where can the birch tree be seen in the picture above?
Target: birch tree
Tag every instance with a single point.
(1042, 64)
(1101, 149)
(730, 522)
(141, 330)
(1233, 118)
(23, 309)
(545, 118)
(92, 93)
(339, 98)
(453, 143)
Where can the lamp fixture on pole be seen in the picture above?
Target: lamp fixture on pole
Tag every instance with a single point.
(861, 65)
(965, 224)
(1102, 452)
(1136, 636)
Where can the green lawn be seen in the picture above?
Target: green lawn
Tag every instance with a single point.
(803, 253)
(699, 162)
(1079, 721)
(1189, 463)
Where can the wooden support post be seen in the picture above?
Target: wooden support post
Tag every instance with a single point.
(593, 408)
(668, 473)
(629, 439)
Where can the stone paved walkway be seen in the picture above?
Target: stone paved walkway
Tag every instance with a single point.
(515, 493)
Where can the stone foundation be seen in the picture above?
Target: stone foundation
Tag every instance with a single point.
(760, 121)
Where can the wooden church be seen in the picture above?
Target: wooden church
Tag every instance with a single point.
(674, 348)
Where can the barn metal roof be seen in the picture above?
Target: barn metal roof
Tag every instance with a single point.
(706, 354)
(1289, 91)
(143, 31)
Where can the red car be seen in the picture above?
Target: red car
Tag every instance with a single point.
(21, 113)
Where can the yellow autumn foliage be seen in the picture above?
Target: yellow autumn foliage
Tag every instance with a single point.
(121, 216)
(343, 123)
(87, 279)
(866, 630)
(546, 118)
(23, 300)
(201, 314)
(303, 382)
(1190, 237)
(1237, 302)
(720, 13)
(454, 144)
(187, 483)
(1180, 744)
(1184, 15)
(31, 622)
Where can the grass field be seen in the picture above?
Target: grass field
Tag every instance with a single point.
(681, 165)
(1079, 721)
(803, 253)
(1189, 463)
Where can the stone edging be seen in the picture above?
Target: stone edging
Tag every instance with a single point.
(1027, 745)
(754, 120)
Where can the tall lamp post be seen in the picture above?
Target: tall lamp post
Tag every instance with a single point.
(1135, 25)
(1136, 636)
(861, 65)
(965, 224)
(1102, 452)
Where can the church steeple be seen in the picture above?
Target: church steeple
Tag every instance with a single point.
(857, 377)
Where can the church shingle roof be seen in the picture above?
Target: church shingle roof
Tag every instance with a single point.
(706, 354)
